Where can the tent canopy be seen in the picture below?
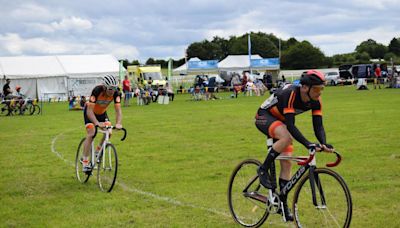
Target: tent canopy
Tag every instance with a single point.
(78, 66)
(183, 67)
(236, 62)
(31, 67)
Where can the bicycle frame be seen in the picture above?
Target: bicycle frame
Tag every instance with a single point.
(307, 164)
(106, 141)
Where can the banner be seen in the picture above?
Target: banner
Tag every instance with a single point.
(266, 63)
(203, 65)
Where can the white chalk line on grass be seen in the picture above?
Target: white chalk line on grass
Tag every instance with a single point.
(141, 192)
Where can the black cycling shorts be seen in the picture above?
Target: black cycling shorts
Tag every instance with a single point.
(100, 118)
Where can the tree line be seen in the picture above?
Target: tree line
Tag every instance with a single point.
(294, 54)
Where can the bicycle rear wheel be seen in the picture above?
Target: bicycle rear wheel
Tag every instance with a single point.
(107, 168)
(36, 109)
(334, 204)
(246, 198)
(80, 175)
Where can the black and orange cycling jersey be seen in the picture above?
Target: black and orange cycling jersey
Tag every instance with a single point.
(284, 105)
(101, 101)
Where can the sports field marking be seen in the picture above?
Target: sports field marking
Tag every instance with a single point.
(153, 195)
(141, 192)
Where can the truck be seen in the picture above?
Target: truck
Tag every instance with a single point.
(142, 73)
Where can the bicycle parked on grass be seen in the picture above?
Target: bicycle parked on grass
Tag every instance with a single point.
(321, 199)
(105, 161)
(15, 107)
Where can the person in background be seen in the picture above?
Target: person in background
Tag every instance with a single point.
(20, 98)
(378, 75)
(126, 88)
(170, 91)
(7, 90)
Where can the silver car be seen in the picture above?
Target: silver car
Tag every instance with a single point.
(332, 78)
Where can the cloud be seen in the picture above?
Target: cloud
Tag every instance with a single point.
(13, 44)
(30, 11)
(346, 42)
(72, 23)
(160, 29)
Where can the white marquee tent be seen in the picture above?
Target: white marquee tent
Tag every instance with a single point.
(57, 76)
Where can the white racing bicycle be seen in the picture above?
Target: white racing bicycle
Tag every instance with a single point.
(105, 161)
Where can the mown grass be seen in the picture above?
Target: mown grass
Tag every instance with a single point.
(177, 160)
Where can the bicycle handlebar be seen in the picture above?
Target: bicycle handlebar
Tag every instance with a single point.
(330, 164)
(110, 127)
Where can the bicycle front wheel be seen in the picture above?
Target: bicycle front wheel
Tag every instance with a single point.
(5, 110)
(333, 201)
(246, 197)
(107, 168)
(80, 175)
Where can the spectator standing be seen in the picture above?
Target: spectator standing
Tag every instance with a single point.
(170, 91)
(378, 75)
(7, 90)
(126, 87)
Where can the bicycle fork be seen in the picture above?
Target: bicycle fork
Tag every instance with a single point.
(316, 182)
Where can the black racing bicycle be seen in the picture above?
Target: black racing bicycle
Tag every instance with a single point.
(321, 199)
(105, 161)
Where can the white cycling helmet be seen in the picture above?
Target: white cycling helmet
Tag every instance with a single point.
(109, 80)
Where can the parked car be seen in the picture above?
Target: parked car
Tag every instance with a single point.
(332, 78)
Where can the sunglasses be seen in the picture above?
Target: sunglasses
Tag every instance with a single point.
(317, 89)
(113, 88)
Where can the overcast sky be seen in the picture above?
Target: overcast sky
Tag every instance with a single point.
(139, 29)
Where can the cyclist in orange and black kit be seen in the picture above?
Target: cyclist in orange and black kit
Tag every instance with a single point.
(276, 117)
(95, 112)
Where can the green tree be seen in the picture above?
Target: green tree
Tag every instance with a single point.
(302, 56)
(150, 61)
(362, 57)
(223, 45)
(135, 62)
(205, 50)
(394, 46)
(374, 49)
(237, 45)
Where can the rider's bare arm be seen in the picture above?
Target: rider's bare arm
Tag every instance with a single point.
(90, 114)
(118, 115)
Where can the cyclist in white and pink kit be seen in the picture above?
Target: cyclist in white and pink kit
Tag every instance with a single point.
(276, 118)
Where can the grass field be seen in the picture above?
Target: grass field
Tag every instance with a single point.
(177, 160)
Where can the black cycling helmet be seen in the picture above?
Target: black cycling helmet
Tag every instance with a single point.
(312, 77)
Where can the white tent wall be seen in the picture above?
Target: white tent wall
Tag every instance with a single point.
(28, 86)
(57, 76)
(85, 71)
(52, 87)
(82, 86)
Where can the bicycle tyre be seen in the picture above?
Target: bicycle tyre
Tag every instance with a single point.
(337, 210)
(107, 168)
(246, 211)
(31, 109)
(36, 109)
(4, 111)
(80, 175)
